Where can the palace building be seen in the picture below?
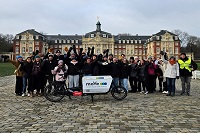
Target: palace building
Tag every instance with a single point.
(142, 46)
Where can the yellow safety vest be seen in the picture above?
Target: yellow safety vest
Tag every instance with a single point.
(185, 64)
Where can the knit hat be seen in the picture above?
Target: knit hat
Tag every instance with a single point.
(58, 51)
(37, 56)
(50, 55)
(149, 57)
(60, 61)
(17, 57)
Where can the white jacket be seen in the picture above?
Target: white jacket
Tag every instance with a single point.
(172, 70)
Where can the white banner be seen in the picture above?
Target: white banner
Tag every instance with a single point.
(96, 84)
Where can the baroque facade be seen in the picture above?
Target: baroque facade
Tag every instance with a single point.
(142, 46)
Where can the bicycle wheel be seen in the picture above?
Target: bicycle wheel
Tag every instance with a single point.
(54, 93)
(119, 92)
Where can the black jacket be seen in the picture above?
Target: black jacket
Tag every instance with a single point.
(27, 68)
(47, 66)
(143, 72)
(114, 69)
(103, 68)
(73, 69)
(124, 70)
(134, 68)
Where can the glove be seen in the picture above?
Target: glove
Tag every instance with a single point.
(81, 49)
(177, 77)
(156, 62)
(107, 51)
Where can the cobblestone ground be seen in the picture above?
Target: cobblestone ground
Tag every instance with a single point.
(137, 113)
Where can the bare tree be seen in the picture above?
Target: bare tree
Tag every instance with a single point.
(183, 36)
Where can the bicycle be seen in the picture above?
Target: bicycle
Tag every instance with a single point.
(56, 91)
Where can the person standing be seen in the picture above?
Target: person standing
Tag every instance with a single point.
(171, 74)
(27, 68)
(114, 68)
(19, 74)
(124, 73)
(142, 76)
(186, 66)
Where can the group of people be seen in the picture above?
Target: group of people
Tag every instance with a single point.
(34, 72)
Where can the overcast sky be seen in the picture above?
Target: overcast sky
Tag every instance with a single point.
(68, 17)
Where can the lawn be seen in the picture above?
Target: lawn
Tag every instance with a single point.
(198, 66)
(6, 69)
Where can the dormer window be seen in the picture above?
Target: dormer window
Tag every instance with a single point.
(76, 41)
(36, 37)
(135, 41)
(72, 41)
(140, 41)
(132, 41)
(157, 38)
(120, 41)
(64, 41)
(176, 37)
(17, 36)
(123, 41)
(127, 41)
(68, 41)
(60, 41)
(55, 41)
(104, 35)
(92, 35)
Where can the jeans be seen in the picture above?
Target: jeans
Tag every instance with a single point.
(171, 85)
(73, 81)
(25, 79)
(185, 80)
(115, 82)
(124, 83)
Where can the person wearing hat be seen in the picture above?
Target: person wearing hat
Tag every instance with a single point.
(103, 66)
(58, 56)
(171, 73)
(60, 72)
(37, 76)
(18, 63)
(47, 66)
(110, 58)
(186, 66)
(27, 68)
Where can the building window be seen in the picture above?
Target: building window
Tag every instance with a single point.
(55, 41)
(36, 43)
(30, 49)
(104, 35)
(115, 46)
(164, 49)
(170, 50)
(124, 52)
(119, 46)
(140, 52)
(115, 52)
(176, 43)
(68, 41)
(98, 51)
(55, 46)
(124, 46)
(72, 41)
(36, 37)
(23, 49)
(120, 51)
(17, 43)
(60, 41)
(157, 50)
(176, 37)
(16, 50)
(176, 50)
(127, 41)
(60, 46)
(131, 52)
(132, 41)
(92, 35)
(140, 41)
(136, 46)
(136, 52)
(17, 36)
(157, 43)
(124, 41)
(30, 42)
(36, 48)
(64, 41)
(135, 41)
(109, 45)
(76, 41)
(157, 38)
(120, 41)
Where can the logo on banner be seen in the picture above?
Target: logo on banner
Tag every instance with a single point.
(95, 83)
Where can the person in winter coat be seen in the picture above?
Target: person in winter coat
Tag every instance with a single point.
(171, 73)
(124, 73)
(19, 74)
(60, 72)
(36, 76)
(133, 77)
(151, 68)
(187, 65)
(73, 73)
(160, 74)
(47, 67)
(114, 68)
(27, 68)
(142, 76)
(88, 66)
(103, 66)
